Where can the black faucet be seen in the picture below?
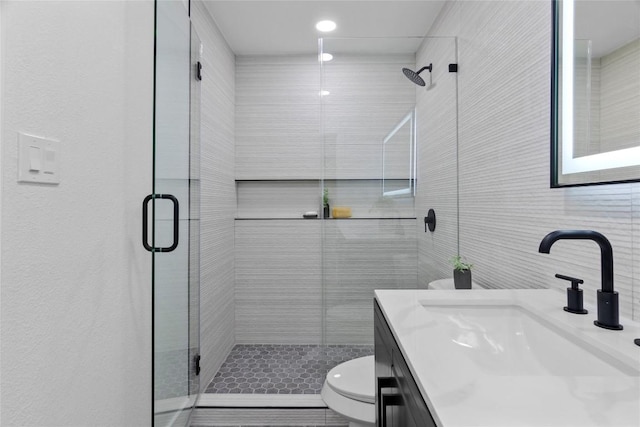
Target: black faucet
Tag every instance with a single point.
(608, 316)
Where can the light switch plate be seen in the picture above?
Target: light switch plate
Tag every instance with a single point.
(38, 159)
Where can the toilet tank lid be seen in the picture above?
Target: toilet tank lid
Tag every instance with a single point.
(355, 379)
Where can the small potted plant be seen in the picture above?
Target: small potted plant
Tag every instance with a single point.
(325, 203)
(461, 273)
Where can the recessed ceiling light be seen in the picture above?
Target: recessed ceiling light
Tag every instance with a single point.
(325, 57)
(324, 93)
(326, 26)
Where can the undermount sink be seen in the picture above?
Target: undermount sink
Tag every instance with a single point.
(511, 340)
(471, 352)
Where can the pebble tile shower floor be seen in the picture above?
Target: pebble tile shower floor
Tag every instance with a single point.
(281, 369)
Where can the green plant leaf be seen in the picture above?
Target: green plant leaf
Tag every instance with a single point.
(460, 264)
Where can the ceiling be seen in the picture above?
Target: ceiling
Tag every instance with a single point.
(288, 27)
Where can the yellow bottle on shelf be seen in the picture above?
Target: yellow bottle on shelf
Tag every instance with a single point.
(341, 212)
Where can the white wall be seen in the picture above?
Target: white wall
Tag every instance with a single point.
(218, 193)
(506, 205)
(76, 315)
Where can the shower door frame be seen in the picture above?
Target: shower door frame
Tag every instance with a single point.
(176, 169)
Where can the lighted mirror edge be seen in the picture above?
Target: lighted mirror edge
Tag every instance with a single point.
(571, 165)
(567, 82)
(411, 190)
(398, 192)
(603, 161)
(406, 118)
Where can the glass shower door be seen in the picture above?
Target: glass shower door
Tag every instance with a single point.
(369, 237)
(389, 155)
(173, 209)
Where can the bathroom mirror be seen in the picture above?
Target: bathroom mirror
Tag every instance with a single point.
(595, 134)
(399, 157)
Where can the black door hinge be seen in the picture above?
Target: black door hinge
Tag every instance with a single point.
(198, 70)
(196, 362)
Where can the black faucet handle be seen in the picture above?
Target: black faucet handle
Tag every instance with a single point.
(574, 295)
(574, 281)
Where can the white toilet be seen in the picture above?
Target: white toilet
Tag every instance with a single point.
(349, 390)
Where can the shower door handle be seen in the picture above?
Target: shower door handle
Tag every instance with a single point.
(145, 222)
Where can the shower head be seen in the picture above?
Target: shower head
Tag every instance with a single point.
(415, 76)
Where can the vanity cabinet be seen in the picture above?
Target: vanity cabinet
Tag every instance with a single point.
(398, 399)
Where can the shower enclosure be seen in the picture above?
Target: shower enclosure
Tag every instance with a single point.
(171, 216)
(369, 144)
(352, 133)
(383, 140)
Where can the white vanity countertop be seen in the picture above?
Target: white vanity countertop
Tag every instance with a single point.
(515, 358)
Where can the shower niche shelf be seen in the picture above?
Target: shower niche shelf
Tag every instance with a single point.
(268, 199)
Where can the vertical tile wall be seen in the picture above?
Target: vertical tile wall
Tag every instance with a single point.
(278, 117)
(369, 96)
(278, 145)
(359, 257)
(279, 262)
(506, 205)
(218, 196)
(436, 112)
(635, 250)
(278, 281)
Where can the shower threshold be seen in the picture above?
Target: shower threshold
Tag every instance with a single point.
(300, 410)
(261, 401)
